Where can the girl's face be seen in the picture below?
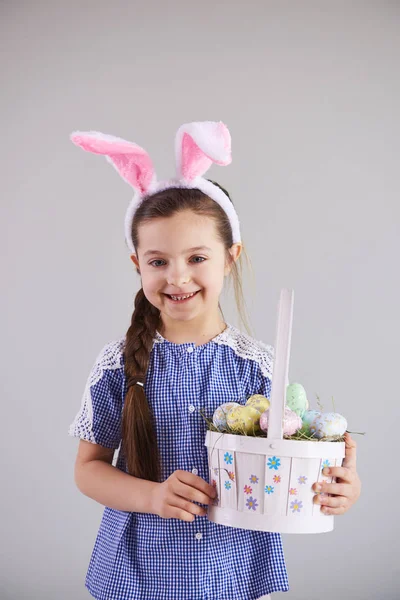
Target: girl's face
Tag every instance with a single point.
(181, 256)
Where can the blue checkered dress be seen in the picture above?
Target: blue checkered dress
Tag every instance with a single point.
(142, 556)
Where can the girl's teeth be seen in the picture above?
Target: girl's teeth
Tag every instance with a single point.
(181, 297)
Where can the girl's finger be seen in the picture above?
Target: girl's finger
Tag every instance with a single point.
(189, 493)
(343, 473)
(327, 510)
(331, 501)
(350, 460)
(182, 515)
(187, 506)
(196, 482)
(337, 489)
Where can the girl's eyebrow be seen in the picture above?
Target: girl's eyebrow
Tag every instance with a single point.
(195, 249)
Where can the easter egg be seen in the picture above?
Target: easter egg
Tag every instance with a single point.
(259, 402)
(296, 398)
(291, 421)
(308, 419)
(219, 416)
(328, 425)
(243, 419)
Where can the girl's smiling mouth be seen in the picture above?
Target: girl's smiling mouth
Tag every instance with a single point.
(181, 298)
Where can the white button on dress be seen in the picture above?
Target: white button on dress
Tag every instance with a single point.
(199, 536)
(191, 408)
(195, 472)
(190, 349)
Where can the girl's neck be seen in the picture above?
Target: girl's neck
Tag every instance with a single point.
(194, 331)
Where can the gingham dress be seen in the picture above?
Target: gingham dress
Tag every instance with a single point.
(140, 556)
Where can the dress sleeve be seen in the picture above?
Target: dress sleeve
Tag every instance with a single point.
(99, 417)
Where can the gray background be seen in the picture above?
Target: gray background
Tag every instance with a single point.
(310, 92)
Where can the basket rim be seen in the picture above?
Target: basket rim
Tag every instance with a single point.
(269, 446)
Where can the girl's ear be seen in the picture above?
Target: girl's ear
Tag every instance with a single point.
(130, 160)
(198, 145)
(135, 262)
(235, 251)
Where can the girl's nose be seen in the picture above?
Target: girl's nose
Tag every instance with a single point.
(178, 276)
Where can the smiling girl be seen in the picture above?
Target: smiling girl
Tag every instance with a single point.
(145, 393)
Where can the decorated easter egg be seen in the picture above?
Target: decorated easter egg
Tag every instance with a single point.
(243, 419)
(259, 402)
(328, 425)
(296, 398)
(308, 419)
(291, 421)
(219, 416)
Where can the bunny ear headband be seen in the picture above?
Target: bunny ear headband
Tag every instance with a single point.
(197, 146)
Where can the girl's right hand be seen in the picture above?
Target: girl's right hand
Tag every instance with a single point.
(174, 498)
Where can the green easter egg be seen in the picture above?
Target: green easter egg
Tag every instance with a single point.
(296, 398)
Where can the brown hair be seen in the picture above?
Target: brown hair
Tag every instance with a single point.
(139, 443)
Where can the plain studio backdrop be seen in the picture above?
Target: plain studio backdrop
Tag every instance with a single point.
(310, 92)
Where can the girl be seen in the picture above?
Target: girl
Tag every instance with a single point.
(146, 393)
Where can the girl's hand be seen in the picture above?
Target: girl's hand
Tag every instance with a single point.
(346, 491)
(174, 498)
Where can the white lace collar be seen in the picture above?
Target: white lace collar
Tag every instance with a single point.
(158, 338)
(242, 344)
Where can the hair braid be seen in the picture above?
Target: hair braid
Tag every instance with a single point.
(138, 430)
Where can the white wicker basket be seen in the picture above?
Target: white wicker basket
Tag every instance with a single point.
(265, 483)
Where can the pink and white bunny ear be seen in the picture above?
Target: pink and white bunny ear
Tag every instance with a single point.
(198, 145)
(130, 160)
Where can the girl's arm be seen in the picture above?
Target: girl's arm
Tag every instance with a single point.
(97, 478)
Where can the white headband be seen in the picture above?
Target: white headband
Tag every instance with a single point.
(197, 146)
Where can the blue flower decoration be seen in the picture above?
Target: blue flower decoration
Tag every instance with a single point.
(228, 485)
(274, 463)
(269, 489)
(228, 458)
(326, 463)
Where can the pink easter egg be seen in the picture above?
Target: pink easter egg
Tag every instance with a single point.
(291, 422)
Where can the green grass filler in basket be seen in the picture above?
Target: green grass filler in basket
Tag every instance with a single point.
(299, 422)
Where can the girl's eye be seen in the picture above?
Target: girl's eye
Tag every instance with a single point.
(195, 259)
(158, 260)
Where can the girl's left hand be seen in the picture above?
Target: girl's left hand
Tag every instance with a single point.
(347, 488)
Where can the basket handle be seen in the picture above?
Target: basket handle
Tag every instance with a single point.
(280, 376)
